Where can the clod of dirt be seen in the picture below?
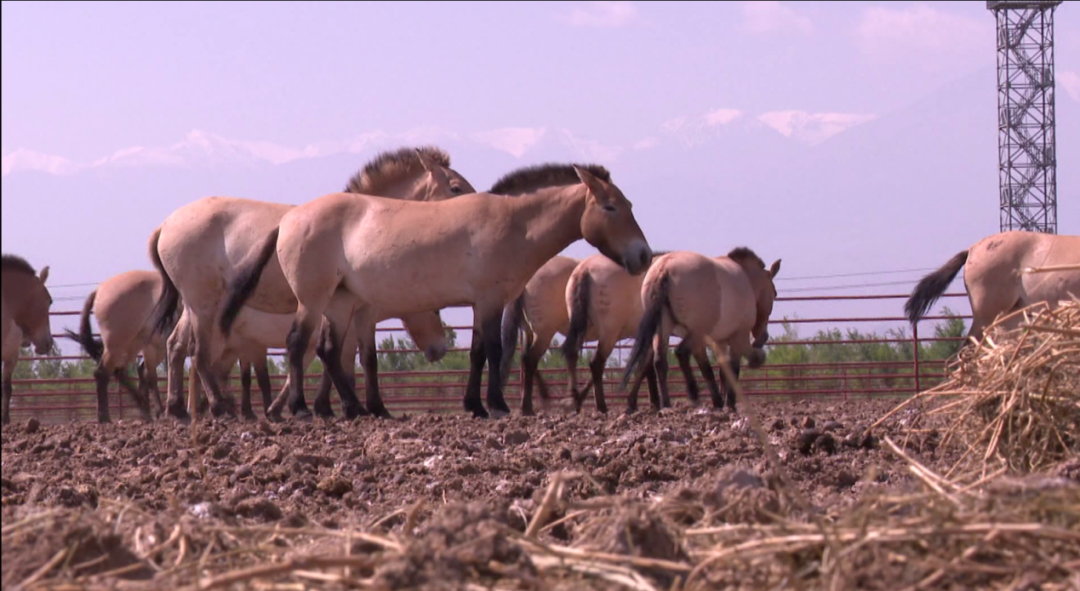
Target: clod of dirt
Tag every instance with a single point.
(808, 423)
(335, 486)
(314, 460)
(493, 443)
(635, 531)
(32, 426)
(832, 426)
(408, 434)
(257, 508)
(584, 456)
(805, 442)
(845, 480)
(270, 455)
(565, 453)
(738, 478)
(221, 451)
(459, 544)
(779, 425)
(517, 437)
(76, 496)
(825, 443)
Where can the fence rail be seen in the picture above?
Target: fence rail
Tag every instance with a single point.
(73, 398)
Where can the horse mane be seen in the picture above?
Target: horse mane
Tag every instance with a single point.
(391, 167)
(743, 254)
(10, 262)
(531, 178)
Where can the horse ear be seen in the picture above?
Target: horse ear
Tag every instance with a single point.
(774, 269)
(596, 188)
(44, 274)
(433, 168)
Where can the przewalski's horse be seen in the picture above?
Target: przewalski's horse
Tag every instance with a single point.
(541, 311)
(605, 306)
(996, 280)
(540, 308)
(728, 299)
(254, 332)
(123, 306)
(24, 317)
(201, 248)
(401, 257)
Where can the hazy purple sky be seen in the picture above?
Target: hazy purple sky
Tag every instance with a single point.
(846, 138)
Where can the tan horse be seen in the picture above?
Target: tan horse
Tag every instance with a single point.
(541, 311)
(254, 332)
(123, 306)
(996, 278)
(401, 257)
(728, 299)
(605, 306)
(24, 317)
(201, 247)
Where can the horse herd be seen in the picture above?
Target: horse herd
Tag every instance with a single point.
(410, 236)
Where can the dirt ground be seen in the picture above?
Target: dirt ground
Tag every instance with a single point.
(364, 475)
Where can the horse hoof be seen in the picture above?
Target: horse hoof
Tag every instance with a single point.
(382, 413)
(303, 415)
(223, 409)
(528, 412)
(249, 416)
(104, 420)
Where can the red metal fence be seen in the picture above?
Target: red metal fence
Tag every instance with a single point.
(72, 398)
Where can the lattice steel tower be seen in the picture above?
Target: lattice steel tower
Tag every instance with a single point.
(1026, 147)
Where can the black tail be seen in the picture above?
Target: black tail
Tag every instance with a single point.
(164, 314)
(85, 337)
(511, 324)
(650, 323)
(932, 286)
(579, 318)
(247, 280)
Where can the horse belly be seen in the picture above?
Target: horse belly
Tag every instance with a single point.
(268, 330)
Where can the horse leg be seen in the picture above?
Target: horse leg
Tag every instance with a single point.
(151, 358)
(473, 402)
(220, 403)
(330, 352)
(660, 364)
(176, 351)
(735, 365)
(101, 379)
(297, 345)
(5, 406)
(245, 391)
(599, 362)
(262, 378)
(491, 329)
(530, 362)
(654, 397)
(142, 403)
(702, 358)
(682, 353)
(321, 405)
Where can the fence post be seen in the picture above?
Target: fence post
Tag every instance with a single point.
(915, 340)
(120, 399)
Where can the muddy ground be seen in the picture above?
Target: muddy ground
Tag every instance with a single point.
(360, 475)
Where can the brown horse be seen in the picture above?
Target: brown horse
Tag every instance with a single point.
(605, 306)
(999, 278)
(541, 311)
(123, 306)
(24, 317)
(728, 299)
(400, 257)
(201, 248)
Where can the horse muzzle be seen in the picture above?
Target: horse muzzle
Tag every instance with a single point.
(637, 257)
(435, 353)
(756, 358)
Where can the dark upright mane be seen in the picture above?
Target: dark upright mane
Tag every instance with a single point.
(743, 254)
(10, 262)
(390, 167)
(531, 178)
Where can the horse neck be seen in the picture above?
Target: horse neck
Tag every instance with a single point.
(14, 287)
(551, 218)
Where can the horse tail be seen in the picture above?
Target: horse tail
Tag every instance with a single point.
(579, 318)
(164, 315)
(247, 279)
(85, 337)
(659, 299)
(513, 314)
(932, 286)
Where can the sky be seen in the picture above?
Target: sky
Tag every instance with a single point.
(856, 141)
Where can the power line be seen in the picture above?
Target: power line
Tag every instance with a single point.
(853, 274)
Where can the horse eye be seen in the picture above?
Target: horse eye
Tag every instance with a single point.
(456, 190)
(609, 208)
